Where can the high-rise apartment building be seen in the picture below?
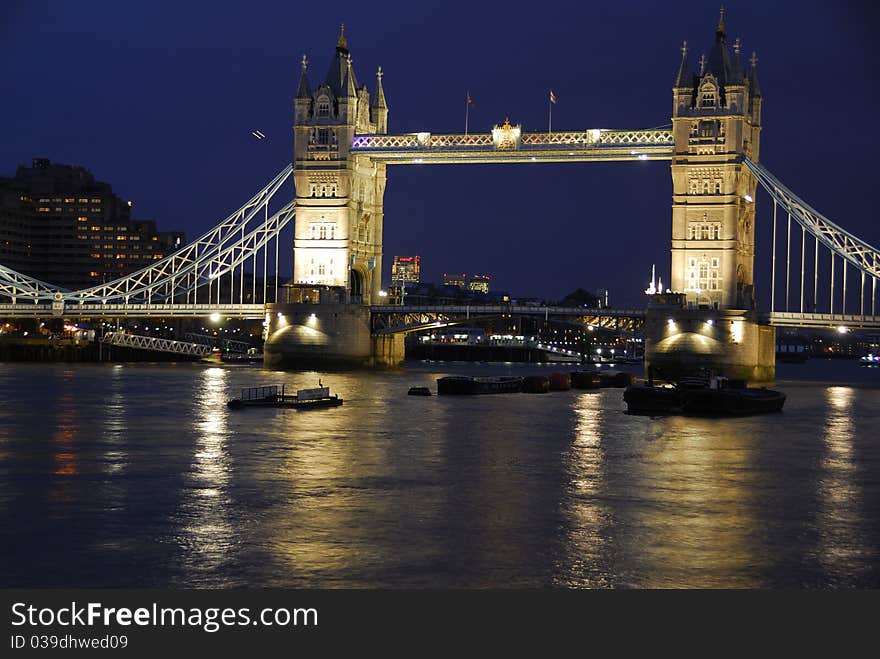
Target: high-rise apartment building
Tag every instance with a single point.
(58, 224)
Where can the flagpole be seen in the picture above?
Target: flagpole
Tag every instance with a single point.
(467, 111)
(550, 121)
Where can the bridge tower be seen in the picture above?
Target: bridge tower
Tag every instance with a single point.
(716, 121)
(338, 227)
(339, 197)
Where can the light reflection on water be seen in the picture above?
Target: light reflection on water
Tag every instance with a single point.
(141, 476)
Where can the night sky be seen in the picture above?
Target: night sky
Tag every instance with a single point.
(159, 99)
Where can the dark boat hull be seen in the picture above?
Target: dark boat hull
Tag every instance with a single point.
(732, 402)
(536, 384)
(467, 386)
(585, 380)
(702, 402)
(286, 401)
(652, 400)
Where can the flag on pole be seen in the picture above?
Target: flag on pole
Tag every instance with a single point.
(552, 97)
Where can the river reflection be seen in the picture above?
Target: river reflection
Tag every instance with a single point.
(140, 475)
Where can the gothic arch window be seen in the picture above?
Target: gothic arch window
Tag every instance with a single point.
(708, 95)
(322, 108)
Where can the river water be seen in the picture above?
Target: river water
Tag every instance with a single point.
(138, 475)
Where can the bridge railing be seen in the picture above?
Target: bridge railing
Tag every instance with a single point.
(591, 138)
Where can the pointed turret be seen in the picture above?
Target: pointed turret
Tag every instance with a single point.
(738, 76)
(720, 64)
(379, 108)
(754, 87)
(339, 66)
(303, 100)
(304, 90)
(684, 78)
(379, 98)
(350, 84)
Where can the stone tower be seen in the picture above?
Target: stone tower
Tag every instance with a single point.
(339, 196)
(716, 120)
(709, 320)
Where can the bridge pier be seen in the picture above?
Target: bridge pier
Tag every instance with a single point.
(681, 342)
(327, 336)
(388, 350)
(317, 336)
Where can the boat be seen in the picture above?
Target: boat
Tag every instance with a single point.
(252, 356)
(465, 385)
(618, 379)
(585, 380)
(419, 391)
(270, 396)
(536, 384)
(869, 360)
(560, 382)
(717, 396)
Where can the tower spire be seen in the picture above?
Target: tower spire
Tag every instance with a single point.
(342, 42)
(350, 87)
(754, 87)
(684, 77)
(304, 90)
(720, 28)
(379, 98)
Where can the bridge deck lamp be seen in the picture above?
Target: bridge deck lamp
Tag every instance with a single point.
(842, 329)
(215, 317)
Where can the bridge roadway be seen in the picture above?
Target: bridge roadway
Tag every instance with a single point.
(24, 310)
(394, 318)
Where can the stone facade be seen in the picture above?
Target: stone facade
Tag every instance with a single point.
(716, 120)
(711, 324)
(339, 195)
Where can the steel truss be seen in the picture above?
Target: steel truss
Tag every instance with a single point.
(844, 244)
(226, 246)
(852, 252)
(138, 342)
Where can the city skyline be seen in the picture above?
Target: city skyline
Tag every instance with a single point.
(170, 126)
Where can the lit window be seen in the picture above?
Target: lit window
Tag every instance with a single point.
(323, 107)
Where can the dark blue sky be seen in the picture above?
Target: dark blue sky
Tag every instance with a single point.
(158, 98)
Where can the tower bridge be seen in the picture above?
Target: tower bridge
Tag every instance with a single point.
(821, 275)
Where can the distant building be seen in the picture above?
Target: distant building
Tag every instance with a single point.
(459, 281)
(406, 270)
(479, 283)
(602, 296)
(58, 224)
